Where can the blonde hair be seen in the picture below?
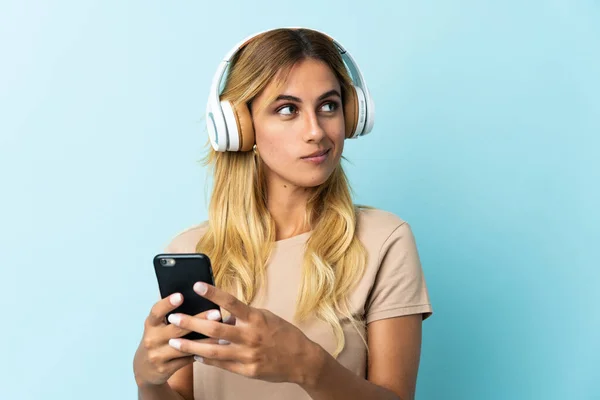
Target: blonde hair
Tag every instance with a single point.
(241, 232)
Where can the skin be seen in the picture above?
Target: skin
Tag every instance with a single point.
(286, 130)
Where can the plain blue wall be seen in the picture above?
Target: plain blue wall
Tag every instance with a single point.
(486, 141)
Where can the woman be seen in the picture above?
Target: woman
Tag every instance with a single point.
(321, 299)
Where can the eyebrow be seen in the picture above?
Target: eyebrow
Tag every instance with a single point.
(298, 100)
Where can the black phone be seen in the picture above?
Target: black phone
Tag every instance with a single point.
(177, 273)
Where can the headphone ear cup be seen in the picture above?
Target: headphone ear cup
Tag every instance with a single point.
(230, 126)
(215, 124)
(350, 112)
(245, 127)
(355, 112)
(361, 112)
(370, 120)
(240, 129)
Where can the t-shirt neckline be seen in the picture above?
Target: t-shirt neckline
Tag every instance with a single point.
(293, 239)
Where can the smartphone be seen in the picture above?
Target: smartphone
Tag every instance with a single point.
(177, 273)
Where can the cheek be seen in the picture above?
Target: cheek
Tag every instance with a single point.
(338, 138)
(336, 131)
(274, 142)
(277, 154)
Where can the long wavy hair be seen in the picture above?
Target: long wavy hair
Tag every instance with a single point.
(241, 232)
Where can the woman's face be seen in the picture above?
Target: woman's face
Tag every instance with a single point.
(300, 135)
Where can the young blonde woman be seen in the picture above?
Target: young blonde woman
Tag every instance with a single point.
(321, 299)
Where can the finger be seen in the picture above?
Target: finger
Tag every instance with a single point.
(228, 365)
(208, 341)
(165, 354)
(174, 331)
(175, 365)
(207, 350)
(161, 308)
(225, 300)
(212, 329)
(229, 320)
(169, 352)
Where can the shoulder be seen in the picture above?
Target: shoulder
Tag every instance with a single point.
(394, 281)
(382, 231)
(376, 225)
(186, 240)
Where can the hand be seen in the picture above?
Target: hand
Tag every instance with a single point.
(260, 345)
(155, 361)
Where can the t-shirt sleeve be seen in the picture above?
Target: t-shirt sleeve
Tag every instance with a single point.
(185, 241)
(399, 288)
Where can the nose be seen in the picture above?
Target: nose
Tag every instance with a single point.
(314, 132)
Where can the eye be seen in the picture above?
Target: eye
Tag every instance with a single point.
(290, 107)
(332, 105)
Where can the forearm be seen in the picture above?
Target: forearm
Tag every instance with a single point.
(158, 392)
(327, 379)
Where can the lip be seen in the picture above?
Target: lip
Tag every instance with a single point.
(317, 157)
(317, 154)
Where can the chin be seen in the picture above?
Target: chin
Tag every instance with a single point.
(300, 176)
(311, 181)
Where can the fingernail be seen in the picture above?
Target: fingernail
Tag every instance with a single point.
(175, 299)
(175, 343)
(175, 319)
(199, 359)
(200, 288)
(213, 315)
(223, 341)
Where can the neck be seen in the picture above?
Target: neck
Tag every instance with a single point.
(287, 206)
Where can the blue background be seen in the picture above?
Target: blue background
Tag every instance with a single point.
(486, 141)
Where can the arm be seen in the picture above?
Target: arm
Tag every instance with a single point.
(395, 349)
(161, 372)
(158, 392)
(178, 387)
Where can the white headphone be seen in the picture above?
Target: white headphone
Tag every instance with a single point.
(230, 128)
